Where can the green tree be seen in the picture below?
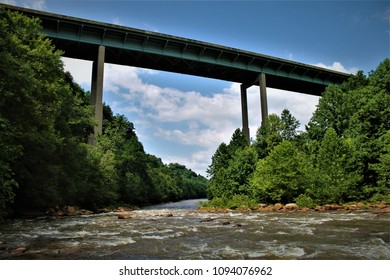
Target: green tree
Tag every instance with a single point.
(282, 176)
(192, 185)
(45, 121)
(9, 153)
(382, 167)
(289, 126)
(369, 123)
(336, 107)
(337, 178)
(132, 178)
(235, 177)
(276, 130)
(268, 136)
(237, 142)
(358, 111)
(221, 160)
(43, 113)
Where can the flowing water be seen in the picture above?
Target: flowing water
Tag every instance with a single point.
(176, 231)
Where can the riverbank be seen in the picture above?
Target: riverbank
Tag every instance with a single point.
(376, 208)
(180, 231)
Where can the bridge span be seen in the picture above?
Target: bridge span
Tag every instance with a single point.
(102, 42)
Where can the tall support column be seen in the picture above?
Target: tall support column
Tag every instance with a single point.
(244, 110)
(263, 98)
(97, 93)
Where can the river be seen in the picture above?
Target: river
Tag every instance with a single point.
(176, 231)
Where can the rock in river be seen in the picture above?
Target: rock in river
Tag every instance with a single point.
(292, 207)
(19, 250)
(124, 216)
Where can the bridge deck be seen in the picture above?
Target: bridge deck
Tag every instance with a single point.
(80, 38)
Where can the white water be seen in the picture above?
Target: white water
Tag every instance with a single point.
(187, 234)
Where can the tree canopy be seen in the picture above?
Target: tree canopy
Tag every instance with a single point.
(45, 121)
(342, 156)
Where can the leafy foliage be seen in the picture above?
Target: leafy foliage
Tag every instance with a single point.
(343, 155)
(283, 175)
(304, 201)
(45, 121)
(276, 130)
(140, 178)
(336, 176)
(231, 166)
(41, 116)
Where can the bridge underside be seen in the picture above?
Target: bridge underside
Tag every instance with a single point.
(142, 59)
(107, 43)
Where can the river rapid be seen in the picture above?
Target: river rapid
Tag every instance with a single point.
(177, 231)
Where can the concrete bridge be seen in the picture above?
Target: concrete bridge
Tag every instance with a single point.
(102, 42)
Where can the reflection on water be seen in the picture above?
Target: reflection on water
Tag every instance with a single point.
(176, 231)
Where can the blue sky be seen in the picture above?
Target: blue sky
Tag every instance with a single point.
(182, 118)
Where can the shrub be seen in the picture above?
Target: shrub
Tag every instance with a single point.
(217, 203)
(240, 201)
(304, 201)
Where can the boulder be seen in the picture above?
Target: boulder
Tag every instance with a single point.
(361, 205)
(19, 250)
(125, 209)
(352, 207)
(266, 209)
(278, 206)
(332, 207)
(124, 216)
(327, 207)
(291, 207)
(70, 211)
(337, 207)
(382, 205)
(85, 212)
(61, 212)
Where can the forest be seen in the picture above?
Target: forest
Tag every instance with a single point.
(45, 122)
(342, 156)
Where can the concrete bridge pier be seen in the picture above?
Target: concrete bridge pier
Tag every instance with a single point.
(97, 93)
(263, 98)
(261, 81)
(244, 111)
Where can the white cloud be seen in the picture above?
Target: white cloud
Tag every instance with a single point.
(8, 2)
(35, 4)
(81, 71)
(191, 119)
(31, 4)
(337, 66)
(186, 118)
